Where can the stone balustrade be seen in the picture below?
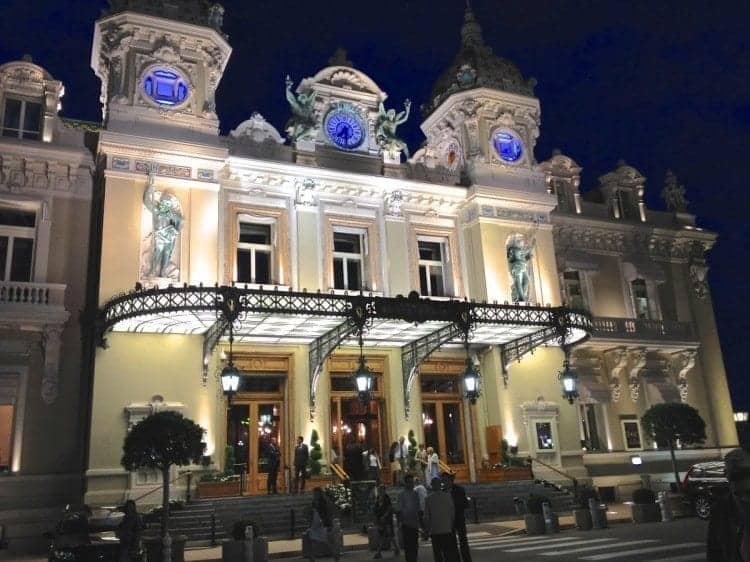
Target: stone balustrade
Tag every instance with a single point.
(642, 329)
(37, 295)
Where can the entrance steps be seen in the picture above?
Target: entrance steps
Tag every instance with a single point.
(284, 515)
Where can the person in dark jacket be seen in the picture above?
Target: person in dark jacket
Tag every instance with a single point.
(384, 521)
(301, 456)
(273, 454)
(460, 504)
(729, 527)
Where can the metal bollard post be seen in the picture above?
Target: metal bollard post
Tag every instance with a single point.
(664, 505)
(249, 544)
(166, 553)
(338, 539)
(213, 529)
(476, 510)
(292, 524)
(189, 482)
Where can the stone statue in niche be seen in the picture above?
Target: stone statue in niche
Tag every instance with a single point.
(673, 194)
(301, 124)
(519, 253)
(166, 223)
(385, 128)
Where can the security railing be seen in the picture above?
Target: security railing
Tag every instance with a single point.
(642, 329)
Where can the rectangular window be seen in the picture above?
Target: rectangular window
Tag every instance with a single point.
(348, 260)
(22, 119)
(254, 253)
(574, 289)
(640, 299)
(16, 244)
(432, 262)
(544, 441)
(631, 433)
(589, 427)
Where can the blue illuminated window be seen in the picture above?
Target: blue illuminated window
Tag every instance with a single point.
(507, 145)
(165, 86)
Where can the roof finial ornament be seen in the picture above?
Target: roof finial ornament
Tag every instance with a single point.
(340, 58)
(471, 32)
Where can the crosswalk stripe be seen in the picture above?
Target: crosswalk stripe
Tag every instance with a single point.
(629, 553)
(556, 542)
(565, 545)
(513, 541)
(478, 534)
(598, 547)
(683, 558)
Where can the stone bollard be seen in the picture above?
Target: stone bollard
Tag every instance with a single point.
(598, 514)
(337, 539)
(166, 553)
(665, 506)
(551, 521)
(249, 544)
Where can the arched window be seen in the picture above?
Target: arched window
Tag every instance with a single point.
(166, 86)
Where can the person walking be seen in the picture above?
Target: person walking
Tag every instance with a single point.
(422, 459)
(373, 465)
(460, 504)
(439, 520)
(402, 457)
(273, 454)
(301, 456)
(384, 522)
(411, 518)
(729, 526)
(421, 491)
(432, 471)
(394, 463)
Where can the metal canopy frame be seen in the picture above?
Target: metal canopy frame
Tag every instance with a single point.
(323, 321)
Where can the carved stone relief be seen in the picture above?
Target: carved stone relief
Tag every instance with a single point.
(638, 362)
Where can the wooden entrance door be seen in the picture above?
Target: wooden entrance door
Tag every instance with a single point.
(443, 424)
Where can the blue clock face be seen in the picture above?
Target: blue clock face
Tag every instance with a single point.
(344, 128)
(507, 145)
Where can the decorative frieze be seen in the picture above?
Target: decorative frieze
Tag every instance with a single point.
(19, 174)
(638, 362)
(682, 363)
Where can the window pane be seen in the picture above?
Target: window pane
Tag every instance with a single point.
(3, 256)
(344, 242)
(544, 436)
(338, 273)
(423, 288)
(430, 251)
(344, 383)
(593, 429)
(354, 274)
(429, 422)
(20, 262)
(439, 384)
(12, 118)
(255, 233)
(640, 298)
(436, 282)
(238, 425)
(31, 120)
(17, 217)
(262, 267)
(632, 436)
(454, 437)
(268, 428)
(243, 266)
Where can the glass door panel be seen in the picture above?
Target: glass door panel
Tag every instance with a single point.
(429, 422)
(238, 436)
(454, 433)
(268, 424)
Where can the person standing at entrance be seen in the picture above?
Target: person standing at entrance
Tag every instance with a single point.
(401, 456)
(411, 516)
(301, 456)
(460, 503)
(273, 454)
(432, 471)
(439, 520)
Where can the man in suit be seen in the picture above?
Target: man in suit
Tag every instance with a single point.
(460, 504)
(274, 459)
(301, 456)
(439, 519)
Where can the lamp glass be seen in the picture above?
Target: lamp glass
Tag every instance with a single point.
(230, 379)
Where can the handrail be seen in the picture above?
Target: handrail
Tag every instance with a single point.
(339, 471)
(445, 468)
(161, 486)
(558, 471)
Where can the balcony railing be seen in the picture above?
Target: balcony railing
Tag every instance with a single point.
(33, 295)
(641, 329)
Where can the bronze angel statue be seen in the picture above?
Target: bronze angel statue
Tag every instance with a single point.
(301, 124)
(385, 128)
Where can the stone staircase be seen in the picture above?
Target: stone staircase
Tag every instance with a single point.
(281, 515)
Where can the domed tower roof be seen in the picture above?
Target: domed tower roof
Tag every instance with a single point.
(475, 66)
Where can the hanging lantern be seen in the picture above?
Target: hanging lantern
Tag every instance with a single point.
(363, 379)
(569, 381)
(230, 375)
(471, 379)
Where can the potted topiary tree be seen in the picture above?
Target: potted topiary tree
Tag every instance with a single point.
(158, 442)
(644, 507)
(316, 454)
(412, 451)
(534, 517)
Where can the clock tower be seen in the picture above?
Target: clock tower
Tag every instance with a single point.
(483, 117)
(160, 62)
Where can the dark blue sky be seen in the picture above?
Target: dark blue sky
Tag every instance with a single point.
(660, 84)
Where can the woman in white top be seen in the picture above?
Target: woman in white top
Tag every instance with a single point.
(433, 466)
(373, 465)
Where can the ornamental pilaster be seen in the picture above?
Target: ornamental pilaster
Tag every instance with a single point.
(618, 360)
(638, 362)
(51, 343)
(682, 363)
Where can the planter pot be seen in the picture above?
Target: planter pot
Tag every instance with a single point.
(583, 519)
(218, 489)
(153, 548)
(646, 513)
(234, 551)
(534, 523)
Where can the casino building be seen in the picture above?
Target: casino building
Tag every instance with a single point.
(276, 256)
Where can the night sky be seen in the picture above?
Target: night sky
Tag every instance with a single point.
(659, 84)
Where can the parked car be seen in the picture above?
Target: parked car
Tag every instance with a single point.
(84, 535)
(701, 483)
